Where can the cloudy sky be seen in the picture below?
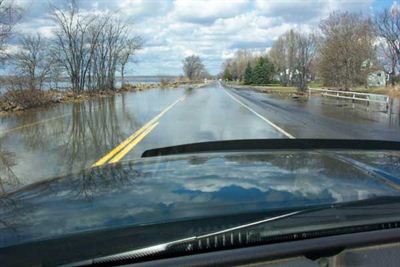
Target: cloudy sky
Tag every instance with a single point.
(212, 29)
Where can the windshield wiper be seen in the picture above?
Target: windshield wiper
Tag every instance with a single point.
(154, 250)
(187, 244)
(272, 144)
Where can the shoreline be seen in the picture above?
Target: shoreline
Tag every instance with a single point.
(53, 97)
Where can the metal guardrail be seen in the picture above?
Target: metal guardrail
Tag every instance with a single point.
(374, 98)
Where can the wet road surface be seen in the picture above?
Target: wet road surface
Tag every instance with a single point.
(66, 138)
(326, 117)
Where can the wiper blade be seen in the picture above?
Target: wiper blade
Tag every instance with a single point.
(186, 243)
(272, 144)
(154, 250)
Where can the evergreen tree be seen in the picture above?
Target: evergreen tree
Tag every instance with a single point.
(263, 71)
(269, 71)
(248, 74)
(227, 75)
(258, 71)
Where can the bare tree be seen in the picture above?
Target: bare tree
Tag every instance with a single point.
(282, 55)
(387, 26)
(388, 60)
(305, 53)
(193, 67)
(57, 71)
(129, 49)
(10, 14)
(345, 44)
(92, 47)
(277, 55)
(33, 61)
(235, 68)
(108, 44)
(76, 44)
(293, 54)
(241, 59)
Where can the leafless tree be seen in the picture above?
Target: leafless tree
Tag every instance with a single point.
(92, 47)
(129, 49)
(387, 26)
(293, 54)
(101, 71)
(347, 41)
(77, 46)
(234, 68)
(242, 58)
(305, 54)
(277, 55)
(33, 61)
(388, 60)
(10, 14)
(193, 67)
(282, 55)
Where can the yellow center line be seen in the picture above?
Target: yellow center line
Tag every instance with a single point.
(131, 138)
(131, 145)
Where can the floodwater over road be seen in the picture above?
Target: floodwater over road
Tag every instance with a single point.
(66, 138)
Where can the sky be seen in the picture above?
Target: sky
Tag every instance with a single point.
(211, 29)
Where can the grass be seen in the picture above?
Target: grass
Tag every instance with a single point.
(276, 88)
(373, 90)
(389, 90)
(268, 88)
(315, 84)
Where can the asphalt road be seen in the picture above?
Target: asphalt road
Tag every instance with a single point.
(326, 117)
(67, 138)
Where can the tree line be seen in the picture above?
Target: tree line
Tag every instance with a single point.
(341, 52)
(88, 49)
(249, 69)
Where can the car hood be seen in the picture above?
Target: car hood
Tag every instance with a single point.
(192, 187)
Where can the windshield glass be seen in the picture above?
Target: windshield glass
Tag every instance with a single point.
(86, 87)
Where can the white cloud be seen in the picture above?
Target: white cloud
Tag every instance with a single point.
(292, 10)
(212, 29)
(349, 5)
(139, 8)
(301, 11)
(206, 11)
(43, 26)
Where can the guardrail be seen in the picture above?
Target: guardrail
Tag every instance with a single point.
(354, 96)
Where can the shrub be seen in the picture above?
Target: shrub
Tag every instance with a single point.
(24, 99)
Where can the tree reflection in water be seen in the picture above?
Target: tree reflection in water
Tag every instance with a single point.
(8, 179)
(96, 181)
(68, 138)
(8, 182)
(94, 128)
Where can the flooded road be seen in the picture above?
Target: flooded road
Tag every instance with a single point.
(67, 138)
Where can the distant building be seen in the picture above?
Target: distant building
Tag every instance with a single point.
(376, 78)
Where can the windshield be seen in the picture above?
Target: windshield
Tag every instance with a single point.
(87, 87)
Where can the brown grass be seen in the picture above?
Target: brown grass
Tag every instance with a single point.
(394, 92)
(372, 90)
(267, 89)
(24, 99)
(389, 90)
